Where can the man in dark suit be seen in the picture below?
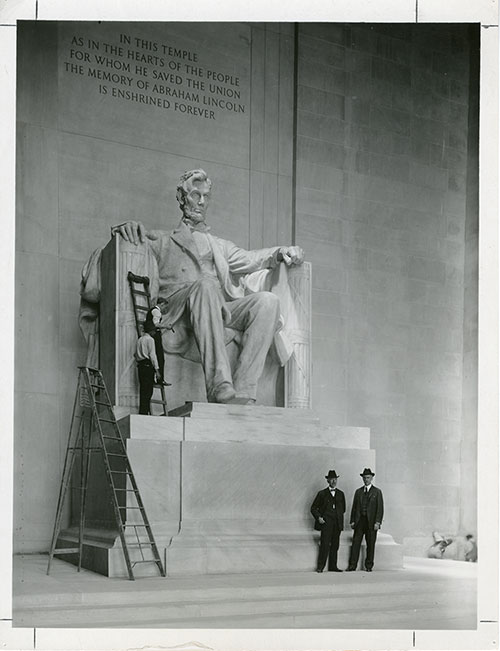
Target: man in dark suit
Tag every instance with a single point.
(328, 510)
(366, 519)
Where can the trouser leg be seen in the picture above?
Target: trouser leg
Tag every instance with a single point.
(356, 544)
(146, 381)
(256, 316)
(324, 545)
(160, 355)
(334, 548)
(371, 539)
(205, 312)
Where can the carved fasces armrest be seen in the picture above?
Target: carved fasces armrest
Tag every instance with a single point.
(293, 340)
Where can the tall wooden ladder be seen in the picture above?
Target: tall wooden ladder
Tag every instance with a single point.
(94, 429)
(141, 300)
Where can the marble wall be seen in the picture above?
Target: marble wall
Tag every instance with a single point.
(387, 151)
(374, 186)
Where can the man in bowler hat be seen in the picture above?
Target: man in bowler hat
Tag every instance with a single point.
(328, 510)
(366, 519)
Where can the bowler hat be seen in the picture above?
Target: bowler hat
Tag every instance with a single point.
(332, 475)
(367, 471)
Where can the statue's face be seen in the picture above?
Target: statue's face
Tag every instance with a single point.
(196, 201)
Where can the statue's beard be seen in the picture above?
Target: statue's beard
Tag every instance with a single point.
(193, 216)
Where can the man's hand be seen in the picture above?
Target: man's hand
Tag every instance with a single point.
(291, 255)
(353, 524)
(321, 520)
(131, 231)
(376, 526)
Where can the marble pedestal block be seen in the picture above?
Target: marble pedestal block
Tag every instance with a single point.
(227, 488)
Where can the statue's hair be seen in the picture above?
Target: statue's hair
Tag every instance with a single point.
(191, 175)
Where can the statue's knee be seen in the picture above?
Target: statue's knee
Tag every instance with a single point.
(269, 302)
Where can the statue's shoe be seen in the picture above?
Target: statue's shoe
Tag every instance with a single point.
(224, 393)
(242, 399)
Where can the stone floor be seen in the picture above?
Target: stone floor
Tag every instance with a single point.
(426, 594)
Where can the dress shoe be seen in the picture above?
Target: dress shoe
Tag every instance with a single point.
(351, 569)
(368, 569)
(224, 393)
(335, 569)
(319, 571)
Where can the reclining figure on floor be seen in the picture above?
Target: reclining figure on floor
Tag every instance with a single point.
(210, 292)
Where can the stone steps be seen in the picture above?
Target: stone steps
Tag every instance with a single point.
(401, 618)
(254, 424)
(429, 595)
(226, 609)
(213, 410)
(165, 591)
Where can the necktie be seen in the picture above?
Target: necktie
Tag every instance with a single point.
(366, 490)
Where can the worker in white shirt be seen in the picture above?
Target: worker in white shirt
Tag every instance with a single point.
(147, 365)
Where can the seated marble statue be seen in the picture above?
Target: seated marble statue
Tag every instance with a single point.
(207, 287)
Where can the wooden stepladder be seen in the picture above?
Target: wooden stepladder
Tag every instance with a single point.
(141, 300)
(94, 430)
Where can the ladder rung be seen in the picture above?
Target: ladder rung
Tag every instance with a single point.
(67, 550)
(158, 402)
(146, 526)
(120, 472)
(136, 508)
(128, 490)
(106, 420)
(112, 438)
(115, 454)
(102, 402)
(153, 560)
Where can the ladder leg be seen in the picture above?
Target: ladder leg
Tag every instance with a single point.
(85, 469)
(66, 474)
(165, 409)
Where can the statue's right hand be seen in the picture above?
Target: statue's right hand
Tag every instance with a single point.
(131, 231)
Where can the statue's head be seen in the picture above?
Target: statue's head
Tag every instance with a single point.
(193, 194)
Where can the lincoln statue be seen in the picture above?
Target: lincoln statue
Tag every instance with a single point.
(204, 291)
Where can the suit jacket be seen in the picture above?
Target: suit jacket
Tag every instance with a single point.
(323, 506)
(375, 508)
(179, 265)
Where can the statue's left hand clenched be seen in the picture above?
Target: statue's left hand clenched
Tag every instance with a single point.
(291, 255)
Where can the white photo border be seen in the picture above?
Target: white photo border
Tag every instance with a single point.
(484, 12)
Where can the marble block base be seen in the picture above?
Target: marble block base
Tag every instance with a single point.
(228, 489)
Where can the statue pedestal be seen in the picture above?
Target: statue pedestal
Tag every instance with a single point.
(227, 488)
